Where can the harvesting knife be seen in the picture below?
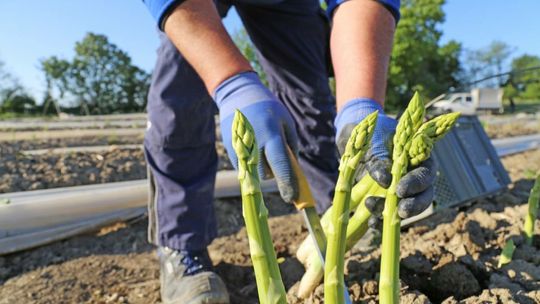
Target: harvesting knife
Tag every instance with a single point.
(305, 204)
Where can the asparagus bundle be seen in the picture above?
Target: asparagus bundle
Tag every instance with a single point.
(420, 150)
(356, 147)
(532, 211)
(267, 275)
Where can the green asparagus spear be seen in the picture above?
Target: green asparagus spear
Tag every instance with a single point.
(532, 211)
(356, 148)
(267, 275)
(407, 126)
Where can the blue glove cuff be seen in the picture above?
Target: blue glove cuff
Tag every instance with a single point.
(240, 91)
(355, 110)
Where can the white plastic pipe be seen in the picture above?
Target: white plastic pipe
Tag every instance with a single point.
(47, 235)
(45, 208)
(94, 149)
(32, 135)
(34, 218)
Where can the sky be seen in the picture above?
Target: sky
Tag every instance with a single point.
(35, 29)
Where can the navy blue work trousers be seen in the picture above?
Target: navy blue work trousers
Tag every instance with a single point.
(291, 40)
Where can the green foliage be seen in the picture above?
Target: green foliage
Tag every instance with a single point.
(101, 78)
(13, 97)
(18, 103)
(419, 62)
(522, 83)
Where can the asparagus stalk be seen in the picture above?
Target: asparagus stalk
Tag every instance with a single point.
(306, 248)
(334, 285)
(409, 148)
(358, 224)
(532, 212)
(267, 275)
(355, 230)
(507, 253)
(409, 122)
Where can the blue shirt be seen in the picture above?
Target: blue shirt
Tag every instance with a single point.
(160, 9)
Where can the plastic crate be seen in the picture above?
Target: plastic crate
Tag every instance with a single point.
(469, 167)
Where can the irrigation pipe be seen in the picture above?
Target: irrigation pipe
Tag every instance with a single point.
(81, 149)
(36, 216)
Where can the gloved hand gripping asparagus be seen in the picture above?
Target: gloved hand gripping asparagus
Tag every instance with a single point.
(418, 152)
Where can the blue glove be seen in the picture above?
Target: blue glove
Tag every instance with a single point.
(377, 160)
(273, 125)
(415, 189)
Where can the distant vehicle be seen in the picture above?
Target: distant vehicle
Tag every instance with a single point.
(469, 103)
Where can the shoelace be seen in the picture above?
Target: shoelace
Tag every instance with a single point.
(194, 262)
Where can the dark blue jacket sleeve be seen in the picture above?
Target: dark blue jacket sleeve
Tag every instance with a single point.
(160, 9)
(391, 5)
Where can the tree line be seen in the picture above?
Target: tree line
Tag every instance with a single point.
(101, 78)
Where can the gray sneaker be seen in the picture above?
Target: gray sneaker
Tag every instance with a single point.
(187, 278)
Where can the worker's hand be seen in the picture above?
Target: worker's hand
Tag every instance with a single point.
(415, 192)
(415, 189)
(273, 125)
(377, 159)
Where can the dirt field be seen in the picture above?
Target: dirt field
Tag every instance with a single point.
(19, 172)
(512, 125)
(508, 130)
(448, 258)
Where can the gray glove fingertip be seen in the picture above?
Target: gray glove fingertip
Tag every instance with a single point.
(277, 158)
(375, 222)
(343, 137)
(379, 170)
(417, 180)
(375, 205)
(415, 205)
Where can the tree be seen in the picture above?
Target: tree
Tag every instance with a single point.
(7, 81)
(419, 62)
(495, 57)
(488, 61)
(56, 72)
(18, 102)
(101, 78)
(524, 80)
(13, 97)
